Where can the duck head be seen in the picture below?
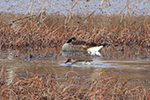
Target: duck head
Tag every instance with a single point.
(69, 60)
(72, 39)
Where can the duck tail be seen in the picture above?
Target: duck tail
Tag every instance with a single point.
(103, 44)
(94, 50)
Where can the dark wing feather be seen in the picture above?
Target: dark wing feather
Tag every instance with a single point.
(77, 42)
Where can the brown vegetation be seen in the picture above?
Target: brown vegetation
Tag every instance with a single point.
(54, 30)
(51, 87)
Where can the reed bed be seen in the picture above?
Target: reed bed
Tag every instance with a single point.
(54, 87)
(36, 32)
(54, 30)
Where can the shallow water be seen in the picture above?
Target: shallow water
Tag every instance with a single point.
(123, 65)
(83, 6)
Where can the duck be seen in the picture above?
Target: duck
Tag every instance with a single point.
(79, 62)
(82, 46)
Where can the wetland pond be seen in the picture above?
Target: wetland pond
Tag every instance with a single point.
(127, 62)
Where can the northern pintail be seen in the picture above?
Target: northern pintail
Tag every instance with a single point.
(77, 45)
(81, 62)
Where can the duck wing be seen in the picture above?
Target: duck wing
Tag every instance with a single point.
(84, 44)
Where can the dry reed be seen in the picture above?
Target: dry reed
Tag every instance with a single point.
(47, 87)
(53, 33)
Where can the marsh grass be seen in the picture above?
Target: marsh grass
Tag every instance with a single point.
(52, 31)
(36, 32)
(71, 86)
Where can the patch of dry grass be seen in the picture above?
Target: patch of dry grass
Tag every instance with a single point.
(54, 30)
(47, 87)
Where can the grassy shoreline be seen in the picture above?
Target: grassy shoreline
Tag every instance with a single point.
(73, 86)
(51, 32)
(54, 30)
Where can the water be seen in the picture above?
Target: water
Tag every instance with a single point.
(82, 6)
(123, 65)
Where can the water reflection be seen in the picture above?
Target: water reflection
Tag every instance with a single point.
(74, 54)
(11, 74)
(10, 63)
(134, 63)
(77, 54)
